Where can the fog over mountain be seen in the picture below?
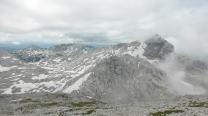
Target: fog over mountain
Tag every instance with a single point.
(183, 23)
(125, 73)
(103, 57)
(66, 64)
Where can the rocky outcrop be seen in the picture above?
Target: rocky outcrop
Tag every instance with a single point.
(126, 79)
(123, 73)
(157, 48)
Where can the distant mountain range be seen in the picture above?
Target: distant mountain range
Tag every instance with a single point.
(122, 73)
(12, 47)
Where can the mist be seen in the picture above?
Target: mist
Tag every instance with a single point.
(178, 75)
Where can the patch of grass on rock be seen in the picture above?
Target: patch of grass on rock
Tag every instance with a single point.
(198, 104)
(28, 100)
(29, 107)
(166, 112)
(82, 104)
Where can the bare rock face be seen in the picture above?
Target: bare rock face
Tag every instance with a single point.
(125, 80)
(122, 73)
(157, 48)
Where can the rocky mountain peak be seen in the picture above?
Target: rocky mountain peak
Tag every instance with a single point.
(126, 72)
(157, 47)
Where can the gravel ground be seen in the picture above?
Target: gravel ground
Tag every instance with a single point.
(65, 105)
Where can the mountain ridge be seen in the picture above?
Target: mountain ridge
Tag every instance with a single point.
(85, 70)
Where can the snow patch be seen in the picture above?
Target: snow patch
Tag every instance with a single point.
(136, 51)
(24, 87)
(81, 70)
(40, 77)
(77, 84)
(6, 57)
(49, 84)
(141, 50)
(3, 69)
(57, 60)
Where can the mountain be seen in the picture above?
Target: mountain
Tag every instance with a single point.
(123, 73)
(125, 79)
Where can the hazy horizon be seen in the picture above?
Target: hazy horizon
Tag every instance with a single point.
(183, 23)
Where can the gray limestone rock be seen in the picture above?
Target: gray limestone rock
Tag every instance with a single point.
(157, 48)
(126, 80)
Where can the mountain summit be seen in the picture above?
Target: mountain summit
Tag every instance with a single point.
(157, 47)
(122, 73)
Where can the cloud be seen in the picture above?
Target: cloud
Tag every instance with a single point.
(177, 77)
(106, 21)
(16, 43)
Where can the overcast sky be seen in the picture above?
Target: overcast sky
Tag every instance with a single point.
(182, 22)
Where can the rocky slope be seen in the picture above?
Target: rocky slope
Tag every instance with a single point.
(123, 73)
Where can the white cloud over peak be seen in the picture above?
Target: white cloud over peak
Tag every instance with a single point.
(106, 21)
